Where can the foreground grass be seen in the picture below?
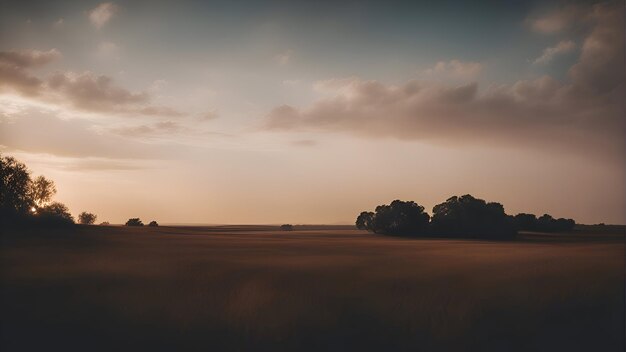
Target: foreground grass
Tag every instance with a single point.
(256, 288)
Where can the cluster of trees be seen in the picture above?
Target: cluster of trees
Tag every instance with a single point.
(138, 222)
(544, 223)
(464, 217)
(28, 201)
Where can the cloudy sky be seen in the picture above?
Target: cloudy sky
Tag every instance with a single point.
(285, 111)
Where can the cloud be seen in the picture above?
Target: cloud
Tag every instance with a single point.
(455, 69)
(35, 130)
(283, 58)
(85, 91)
(582, 114)
(28, 58)
(209, 115)
(14, 69)
(563, 47)
(102, 14)
(108, 50)
(92, 92)
(159, 128)
(557, 20)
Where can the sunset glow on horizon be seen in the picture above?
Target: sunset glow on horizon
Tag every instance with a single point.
(243, 112)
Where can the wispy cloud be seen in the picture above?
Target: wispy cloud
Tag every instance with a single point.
(102, 14)
(563, 47)
(284, 58)
(455, 69)
(85, 90)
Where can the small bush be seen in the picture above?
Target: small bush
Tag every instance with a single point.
(134, 222)
(153, 223)
(286, 227)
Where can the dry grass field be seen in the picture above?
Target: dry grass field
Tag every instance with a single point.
(312, 289)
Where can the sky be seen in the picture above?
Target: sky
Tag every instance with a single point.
(269, 112)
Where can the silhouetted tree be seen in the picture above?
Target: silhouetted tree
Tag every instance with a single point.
(54, 214)
(153, 223)
(546, 223)
(42, 190)
(86, 218)
(526, 222)
(26, 202)
(286, 227)
(15, 198)
(471, 217)
(397, 218)
(104, 223)
(134, 222)
(365, 221)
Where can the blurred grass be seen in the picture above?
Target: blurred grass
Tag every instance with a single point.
(318, 288)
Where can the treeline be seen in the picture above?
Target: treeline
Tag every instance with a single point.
(462, 217)
(27, 201)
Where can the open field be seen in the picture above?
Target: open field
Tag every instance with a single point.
(315, 288)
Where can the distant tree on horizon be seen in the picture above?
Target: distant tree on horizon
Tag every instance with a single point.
(104, 223)
(134, 222)
(286, 227)
(153, 223)
(470, 217)
(397, 218)
(86, 218)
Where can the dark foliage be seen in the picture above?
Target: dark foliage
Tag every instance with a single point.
(286, 227)
(545, 223)
(86, 218)
(26, 202)
(15, 195)
(365, 221)
(470, 217)
(153, 223)
(397, 218)
(134, 222)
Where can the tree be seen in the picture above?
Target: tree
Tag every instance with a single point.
(104, 223)
(134, 222)
(54, 214)
(546, 223)
(397, 218)
(471, 217)
(41, 191)
(26, 202)
(286, 227)
(526, 222)
(365, 221)
(86, 218)
(15, 198)
(153, 223)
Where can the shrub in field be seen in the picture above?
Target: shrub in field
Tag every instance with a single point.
(153, 223)
(286, 227)
(134, 222)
